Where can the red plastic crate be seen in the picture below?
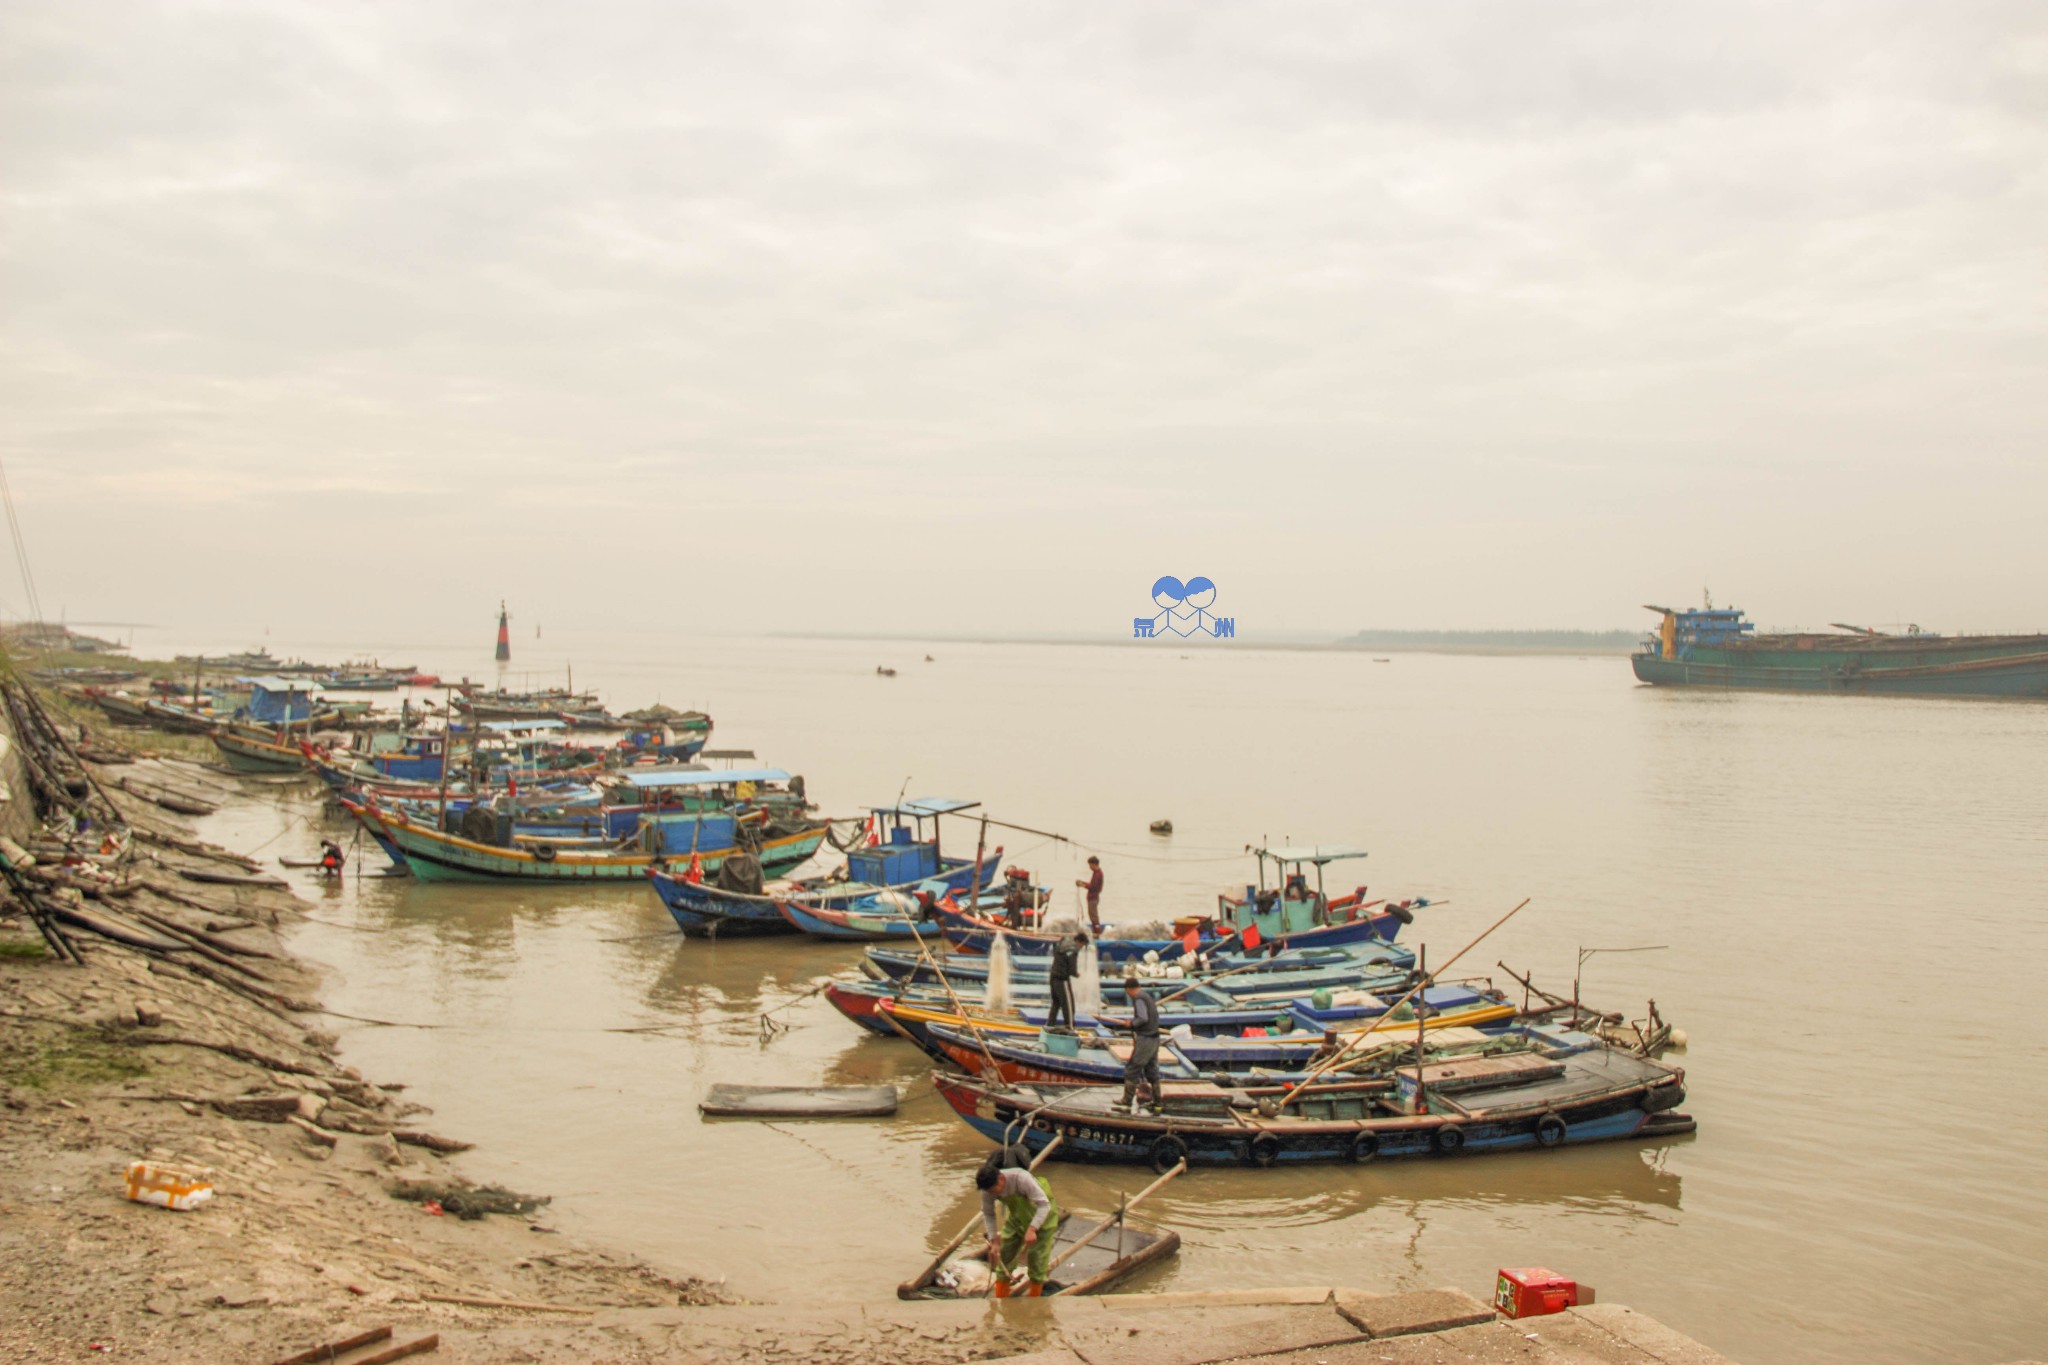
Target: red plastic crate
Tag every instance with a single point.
(1532, 1291)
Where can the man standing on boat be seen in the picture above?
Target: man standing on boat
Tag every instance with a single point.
(1144, 1063)
(1093, 886)
(1030, 1225)
(1059, 977)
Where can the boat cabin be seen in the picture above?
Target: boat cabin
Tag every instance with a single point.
(1296, 898)
(905, 852)
(277, 701)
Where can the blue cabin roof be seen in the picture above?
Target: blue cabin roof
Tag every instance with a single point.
(1313, 853)
(703, 778)
(926, 805)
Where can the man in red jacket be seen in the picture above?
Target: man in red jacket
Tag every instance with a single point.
(1094, 888)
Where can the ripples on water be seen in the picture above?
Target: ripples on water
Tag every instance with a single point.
(1851, 891)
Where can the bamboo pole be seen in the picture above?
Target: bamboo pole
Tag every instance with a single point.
(1116, 1219)
(1301, 1087)
(909, 1288)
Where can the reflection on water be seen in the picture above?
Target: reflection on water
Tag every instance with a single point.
(1827, 872)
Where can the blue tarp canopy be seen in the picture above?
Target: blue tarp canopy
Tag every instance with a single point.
(1313, 853)
(509, 726)
(704, 778)
(926, 805)
(278, 684)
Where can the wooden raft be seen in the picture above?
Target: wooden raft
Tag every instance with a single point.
(799, 1101)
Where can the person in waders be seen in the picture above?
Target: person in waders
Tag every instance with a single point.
(1144, 1063)
(330, 858)
(1031, 1223)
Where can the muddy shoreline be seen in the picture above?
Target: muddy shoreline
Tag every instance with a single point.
(213, 1056)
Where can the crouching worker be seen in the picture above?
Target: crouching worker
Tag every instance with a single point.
(1030, 1225)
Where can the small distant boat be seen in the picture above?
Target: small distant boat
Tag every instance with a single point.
(1162, 826)
(884, 672)
(927, 658)
(1383, 661)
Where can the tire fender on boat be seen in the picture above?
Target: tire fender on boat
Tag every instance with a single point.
(1364, 1148)
(543, 853)
(1448, 1139)
(1402, 913)
(1551, 1130)
(1264, 1150)
(1168, 1152)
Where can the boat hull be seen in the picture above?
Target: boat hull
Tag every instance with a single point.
(256, 756)
(434, 856)
(1005, 1116)
(1893, 673)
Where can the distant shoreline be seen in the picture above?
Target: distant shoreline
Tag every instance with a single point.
(1618, 644)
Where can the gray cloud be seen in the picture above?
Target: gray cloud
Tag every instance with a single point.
(1395, 314)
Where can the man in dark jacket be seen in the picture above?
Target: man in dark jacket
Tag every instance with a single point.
(1066, 965)
(1144, 1063)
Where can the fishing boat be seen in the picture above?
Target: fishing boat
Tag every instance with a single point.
(728, 834)
(1117, 1250)
(1517, 1101)
(905, 855)
(1290, 913)
(249, 753)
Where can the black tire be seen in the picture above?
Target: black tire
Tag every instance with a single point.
(1168, 1152)
(1264, 1150)
(1402, 913)
(1550, 1131)
(1448, 1139)
(1364, 1148)
(543, 853)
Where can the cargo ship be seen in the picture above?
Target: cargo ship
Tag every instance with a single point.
(1719, 647)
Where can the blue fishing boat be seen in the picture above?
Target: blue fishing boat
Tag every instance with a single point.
(904, 857)
(1522, 1101)
(1289, 913)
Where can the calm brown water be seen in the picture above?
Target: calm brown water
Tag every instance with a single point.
(1852, 892)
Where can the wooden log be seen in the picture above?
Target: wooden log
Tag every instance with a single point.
(401, 1351)
(320, 1355)
(313, 1130)
(471, 1301)
(235, 1050)
(433, 1142)
(255, 879)
(258, 1108)
(197, 850)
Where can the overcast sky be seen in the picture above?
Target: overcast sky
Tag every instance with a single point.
(966, 317)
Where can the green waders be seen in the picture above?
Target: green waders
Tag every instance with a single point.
(1017, 1211)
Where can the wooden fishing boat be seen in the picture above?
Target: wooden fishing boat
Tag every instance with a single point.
(1521, 1102)
(1289, 913)
(247, 754)
(905, 857)
(1114, 1256)
(436, 855)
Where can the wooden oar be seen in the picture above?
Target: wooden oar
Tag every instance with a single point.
(909, 1288)
(1301, 1086)
(1113, 1219)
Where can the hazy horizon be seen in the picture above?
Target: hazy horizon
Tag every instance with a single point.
(920, 318)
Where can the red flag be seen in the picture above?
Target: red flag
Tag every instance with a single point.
(512, 783)
(874, 830)
(1251, 938)
(695, 876)
(1192, 941)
